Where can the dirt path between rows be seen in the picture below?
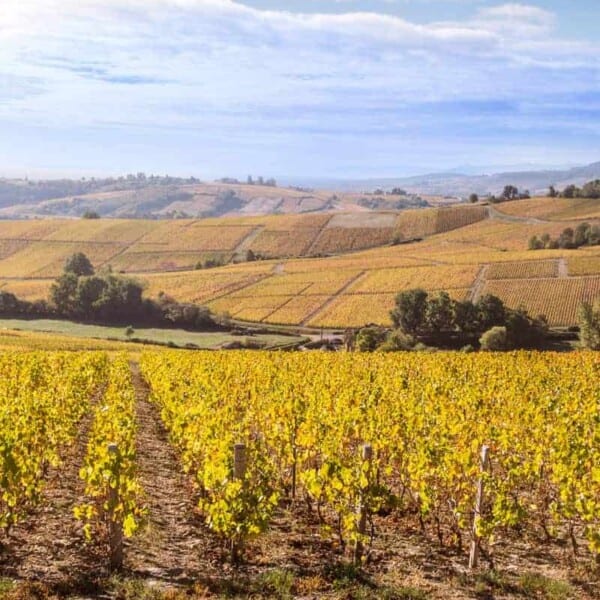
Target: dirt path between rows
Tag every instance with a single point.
(478, 284)
(563, 268)
(495, 214)
(49, 544)
(175, 546)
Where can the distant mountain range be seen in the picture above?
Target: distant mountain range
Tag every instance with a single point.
(462, 184)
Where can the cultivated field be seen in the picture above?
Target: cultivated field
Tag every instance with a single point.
(317, 476)
(553, 209)
(556, 299)
(461, 251)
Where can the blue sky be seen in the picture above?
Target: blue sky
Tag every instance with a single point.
(322, 88)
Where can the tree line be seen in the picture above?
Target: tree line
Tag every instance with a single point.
(589, 325)
(590, 190)
(584, 234)
(80, 293)
(25, 191)
(510, 192)
(422, 320)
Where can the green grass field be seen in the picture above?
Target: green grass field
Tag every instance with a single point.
(178, 337)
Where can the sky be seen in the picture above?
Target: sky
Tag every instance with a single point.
(343, 89)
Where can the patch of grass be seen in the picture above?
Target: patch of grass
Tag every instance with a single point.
(352, 582)
(402, 593)
(278, 582)
(491, 580)
(26, 591)
(138, 589)
(366, 592)
(310, 585)
(527, 585)
(343, 575)
(6, 585)
(486, 583)
(535, 585)
(172, 338)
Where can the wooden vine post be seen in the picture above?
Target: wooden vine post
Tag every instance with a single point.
(294, 470)
(115, 528)
(476, 541)
(362, 509)
(239, 472)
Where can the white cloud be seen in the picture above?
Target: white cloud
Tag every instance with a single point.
(220, 66)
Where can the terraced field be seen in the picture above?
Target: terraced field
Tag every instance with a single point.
(523, 270)
(553, 209)
(556, 299)
(356, 310)
(339, 290)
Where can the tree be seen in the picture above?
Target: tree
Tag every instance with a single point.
(594, 236)
(88, 295)
(491, 312)
(63, 293)
(546, 239)
(409, 313)
(495, 339)
(250, 256)
(90, 214)
(524, 331)
(571, 191)
(510, 192)
(589, 325)
(129, 331)
(582, 234)
(396, 341)
(369, 338)
(9, 304)
(121, 299)
(566, 239)
(473, 198)
(552, 193)
(187, 315)
(79, 265)
(591, 189)
(535, 243)
(466, 317)
(439, 313)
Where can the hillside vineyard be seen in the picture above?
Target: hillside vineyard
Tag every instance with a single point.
(325, 270)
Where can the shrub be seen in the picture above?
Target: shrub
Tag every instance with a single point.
(397, 340)
(494, 339)
(369, 338)
(589, 325)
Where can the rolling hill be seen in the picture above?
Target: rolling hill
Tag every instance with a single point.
(153, 197)
(325, 270)
(167, 197)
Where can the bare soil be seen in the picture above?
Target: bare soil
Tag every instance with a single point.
(175, 546)
(49, 544)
